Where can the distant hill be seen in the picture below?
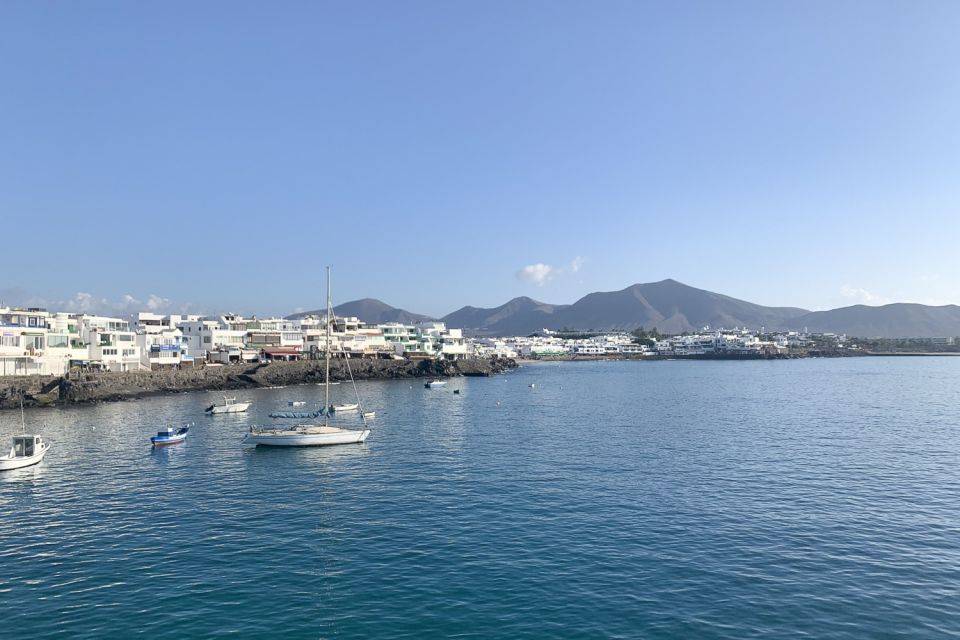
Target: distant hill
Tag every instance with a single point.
(370, 310)
(672, 307)
(668, 305)
(516, 317)
(900, 320)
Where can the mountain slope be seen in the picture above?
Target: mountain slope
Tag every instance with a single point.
(369, 310)
(515, 317)
(900, 320)
(672, 307)
(668, 305)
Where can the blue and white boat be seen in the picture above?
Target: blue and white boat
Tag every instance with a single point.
(170, 436)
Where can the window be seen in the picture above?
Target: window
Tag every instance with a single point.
(7, 340)
(57, 341)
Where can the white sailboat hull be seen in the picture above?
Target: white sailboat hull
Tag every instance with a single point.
(8, 462)
(308, 437)
(239, 407)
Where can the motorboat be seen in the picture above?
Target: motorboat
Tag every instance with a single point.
(434, 384)
(229, 405)
(369, 415)
(296, 403)
(316, 435)
(28, 448)
(170, 435)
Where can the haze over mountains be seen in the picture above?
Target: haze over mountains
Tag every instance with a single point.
(673, 307)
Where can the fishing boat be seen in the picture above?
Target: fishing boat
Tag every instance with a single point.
(434, 383)
(170, 436)
(28, 448)
(229, 405)
(316, 435)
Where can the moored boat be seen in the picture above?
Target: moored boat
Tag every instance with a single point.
(316, 435)
(28, 448)
(229, 405)
(303, 435)
(170, 436)
(434, 383)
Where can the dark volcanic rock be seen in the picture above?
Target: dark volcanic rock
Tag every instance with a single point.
(99, 387)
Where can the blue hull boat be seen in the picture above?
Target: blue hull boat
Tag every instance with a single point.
(170, 436)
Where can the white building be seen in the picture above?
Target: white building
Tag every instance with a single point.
(208, 335)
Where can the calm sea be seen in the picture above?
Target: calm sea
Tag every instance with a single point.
(808, 498)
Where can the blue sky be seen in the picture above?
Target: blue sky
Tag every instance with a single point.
(448, 153)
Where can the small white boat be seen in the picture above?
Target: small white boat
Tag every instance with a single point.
(344, 408)
(27, 449)
(296, 403)
(369, 415)
(434, 383)
(230, 405)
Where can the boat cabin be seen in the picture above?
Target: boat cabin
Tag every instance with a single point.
(27, 446)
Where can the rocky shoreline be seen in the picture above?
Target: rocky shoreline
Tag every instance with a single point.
(88, 387)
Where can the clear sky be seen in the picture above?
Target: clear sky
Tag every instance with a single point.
(447, 153)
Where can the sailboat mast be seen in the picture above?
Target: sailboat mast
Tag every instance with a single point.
(23, 422)
(326, 385)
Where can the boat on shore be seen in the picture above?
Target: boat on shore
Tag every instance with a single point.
(229, 405)
(170, 436)
(27, 449)
(316, 435)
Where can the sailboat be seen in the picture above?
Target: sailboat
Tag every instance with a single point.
(314, 435)
(27, 449)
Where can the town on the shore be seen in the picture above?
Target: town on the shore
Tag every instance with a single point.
(35, 341)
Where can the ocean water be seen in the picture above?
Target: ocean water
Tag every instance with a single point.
(808, 498)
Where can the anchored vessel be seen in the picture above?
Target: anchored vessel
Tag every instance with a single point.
(434, 383)
(230, 405)
(170, 436)
(28, 448)
(315, 435)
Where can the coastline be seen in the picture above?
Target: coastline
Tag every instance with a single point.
(89, 387)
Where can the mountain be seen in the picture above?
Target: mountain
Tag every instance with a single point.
(369, 310)
(672, 307)
(516, 317)
(668, 305)
(898, 320)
